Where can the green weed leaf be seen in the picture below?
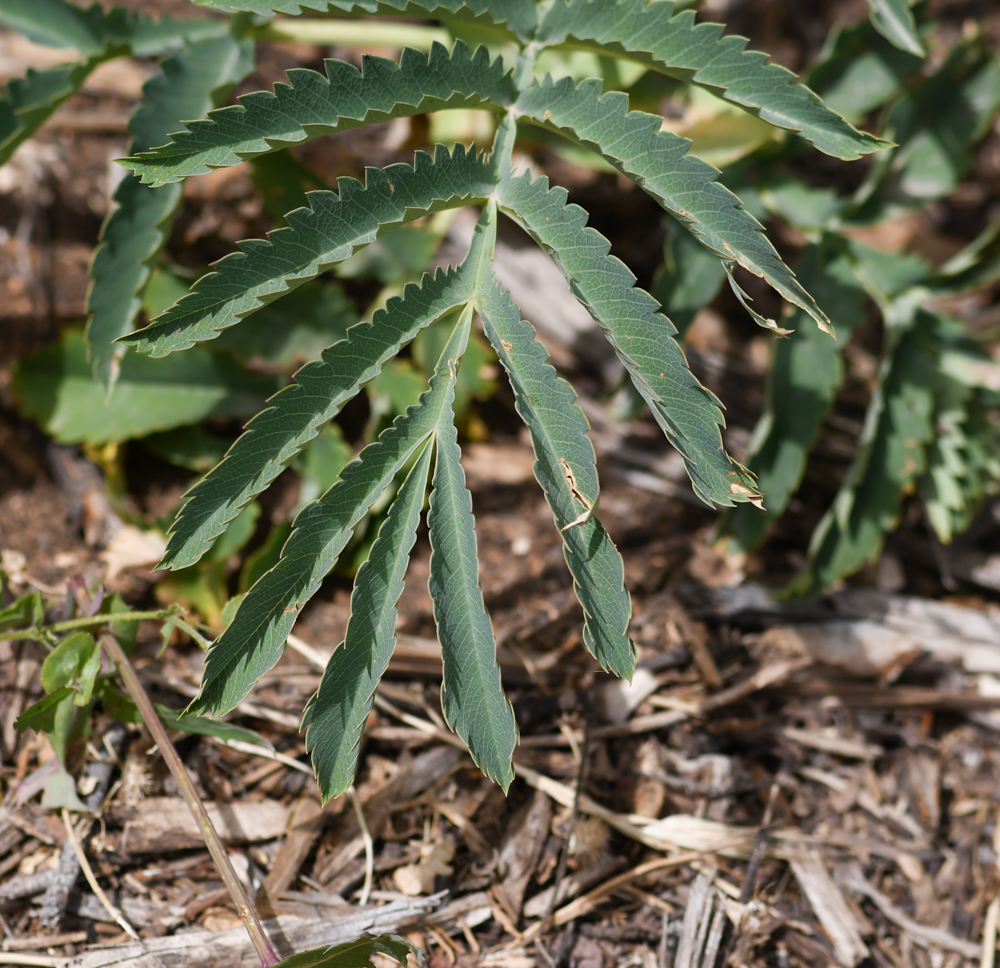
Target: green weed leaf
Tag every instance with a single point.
(41, 716)
(74, 662)
(893, 19)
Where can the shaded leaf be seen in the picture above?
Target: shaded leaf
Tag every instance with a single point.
(805, 371)
(520, 15)
(891, 456)
(893, 19)
(56, 387)
(134, 232)
(353, 954)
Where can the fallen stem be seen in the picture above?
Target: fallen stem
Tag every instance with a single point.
(248, 916)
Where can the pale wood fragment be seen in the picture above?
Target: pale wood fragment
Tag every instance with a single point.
(162, 824)
(831, 908)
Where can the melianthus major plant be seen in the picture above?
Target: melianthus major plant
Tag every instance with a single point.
(491, 66)
(423, 441)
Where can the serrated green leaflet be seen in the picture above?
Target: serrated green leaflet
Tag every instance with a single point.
(472, 697)
(658, 162)
(643, 339)
(254, 640)
(805, 373)
(519, 15)
(327, 232)
(891, 456)
(134, 232)
(565, 468)
(335, 716)
(312, 104)
(893, 19)
(672, 42)
(295, 414)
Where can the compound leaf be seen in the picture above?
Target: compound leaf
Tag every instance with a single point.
(312, 104)
(672, 42)
(134, 232)
(658, 161)
(329, 231)
(255, 638)
(566, 469)
(335, 716)
(643, 339)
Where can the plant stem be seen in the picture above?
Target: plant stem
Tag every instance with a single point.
(357, 33)
(248, 916)
(79, 623)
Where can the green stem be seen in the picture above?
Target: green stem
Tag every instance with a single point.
(79, 623)
(248, 916)
(354, 33)
(45, 634)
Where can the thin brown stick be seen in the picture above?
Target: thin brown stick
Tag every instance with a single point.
(244, 909)
(88, 873)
